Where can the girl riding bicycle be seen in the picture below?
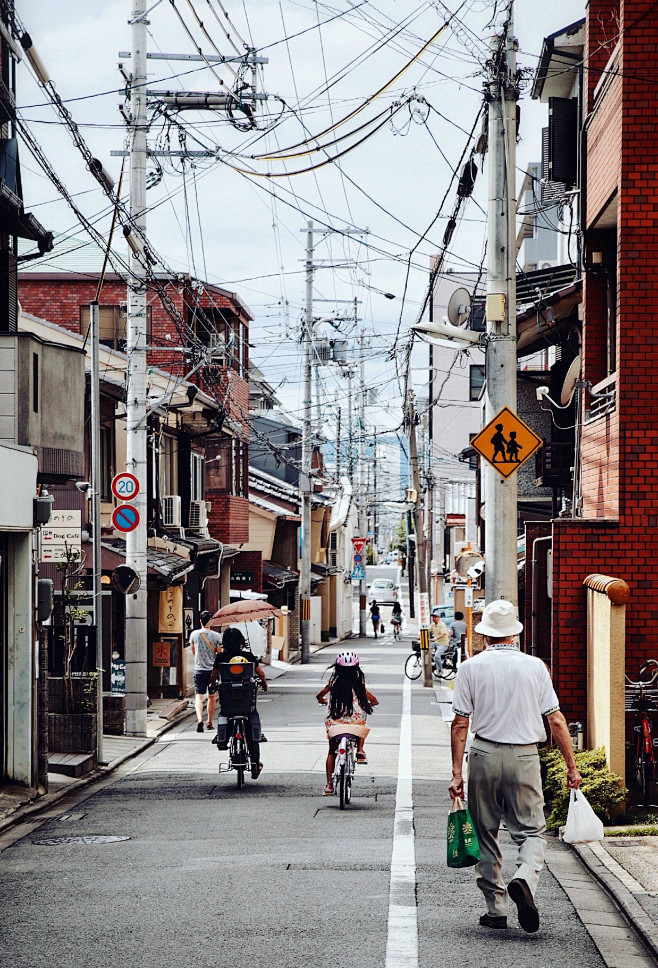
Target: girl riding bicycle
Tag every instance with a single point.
(349, 704)
(396, 619)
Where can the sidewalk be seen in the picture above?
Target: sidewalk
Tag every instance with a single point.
(627, 867)
(17, 802)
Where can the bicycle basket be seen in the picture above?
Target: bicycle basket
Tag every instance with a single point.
(640, 696)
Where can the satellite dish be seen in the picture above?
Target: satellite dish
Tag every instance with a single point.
(459, 307)
(569, 385)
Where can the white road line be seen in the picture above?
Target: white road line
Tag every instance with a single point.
(402, 940)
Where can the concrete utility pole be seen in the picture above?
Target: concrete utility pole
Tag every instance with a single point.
(307, 453)
(136, 451)
(500, 495)
(418, 527)
(97, 588)
(363, 496)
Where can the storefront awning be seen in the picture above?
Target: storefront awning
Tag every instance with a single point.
(165, 565)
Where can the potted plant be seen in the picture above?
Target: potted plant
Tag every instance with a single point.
(72, 700)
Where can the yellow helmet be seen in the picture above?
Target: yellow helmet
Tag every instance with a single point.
(238, 658)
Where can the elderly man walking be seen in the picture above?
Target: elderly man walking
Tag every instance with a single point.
(506, 692)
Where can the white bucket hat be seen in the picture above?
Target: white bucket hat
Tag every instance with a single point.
(499, 620)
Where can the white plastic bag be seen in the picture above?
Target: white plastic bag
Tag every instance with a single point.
(582, 823)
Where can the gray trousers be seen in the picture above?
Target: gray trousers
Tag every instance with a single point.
(505, 781)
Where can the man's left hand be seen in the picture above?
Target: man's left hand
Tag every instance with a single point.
(574, 779)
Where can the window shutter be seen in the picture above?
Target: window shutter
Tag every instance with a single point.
(563, 140)
(8, 292)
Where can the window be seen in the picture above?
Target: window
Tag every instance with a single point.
(35, 382)
(475, 381)
(168, 465)
(112, 325)
(227, 468)
(197, 484)
(221, 328)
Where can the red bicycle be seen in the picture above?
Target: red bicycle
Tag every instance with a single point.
(642, 699)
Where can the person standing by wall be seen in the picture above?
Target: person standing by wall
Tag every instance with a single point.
(506, 693)
(205, 645)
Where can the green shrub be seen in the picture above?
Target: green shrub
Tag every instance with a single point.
(604, 790)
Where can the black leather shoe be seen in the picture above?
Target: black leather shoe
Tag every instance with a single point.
(493, 921)
(520, 893)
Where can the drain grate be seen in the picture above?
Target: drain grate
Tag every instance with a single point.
(83, 839)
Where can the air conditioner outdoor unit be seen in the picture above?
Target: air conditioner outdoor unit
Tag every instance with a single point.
(171, 507)
(199, 516)
(333, 559)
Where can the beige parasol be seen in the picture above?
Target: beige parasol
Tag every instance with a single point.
(242, 611)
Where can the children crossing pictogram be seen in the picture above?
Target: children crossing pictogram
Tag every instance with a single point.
(506, 442)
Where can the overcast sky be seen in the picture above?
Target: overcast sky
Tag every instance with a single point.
(245, 232)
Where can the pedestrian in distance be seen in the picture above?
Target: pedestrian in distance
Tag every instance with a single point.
(375, 617)
(505, 693)
(349, 704)
(458, 629)
(205, 645)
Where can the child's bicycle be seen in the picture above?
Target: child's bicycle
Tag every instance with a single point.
(397, 629)
(345, 768)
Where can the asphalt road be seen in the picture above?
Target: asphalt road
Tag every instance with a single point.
(275, 874)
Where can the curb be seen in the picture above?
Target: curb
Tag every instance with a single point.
(47, 800)
(623, 897)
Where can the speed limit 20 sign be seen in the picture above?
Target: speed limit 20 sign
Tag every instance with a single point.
(125, 487)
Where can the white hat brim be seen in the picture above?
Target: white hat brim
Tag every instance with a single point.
(482, 628)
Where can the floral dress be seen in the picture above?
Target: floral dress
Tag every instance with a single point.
(355, 722)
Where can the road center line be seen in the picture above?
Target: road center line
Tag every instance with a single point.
(402, 939)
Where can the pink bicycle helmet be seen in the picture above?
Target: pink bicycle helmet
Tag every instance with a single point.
(347, 659)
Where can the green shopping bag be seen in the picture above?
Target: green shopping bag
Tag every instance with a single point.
(463, 846)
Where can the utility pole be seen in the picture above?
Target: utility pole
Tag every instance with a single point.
(338, 440)
(501, 363)
(136, 451)
(97, 588)
(350, 428)
(430, 458)
(363, 497)
(418, 527)
(307, 453)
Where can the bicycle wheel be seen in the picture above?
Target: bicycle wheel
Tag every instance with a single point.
(413, 666)
(241, 758)
(342, 786)
(646, 777)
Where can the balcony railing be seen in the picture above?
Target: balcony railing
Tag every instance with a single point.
(554, 465)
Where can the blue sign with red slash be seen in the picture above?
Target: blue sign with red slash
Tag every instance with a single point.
(358, 559)
(125, 518)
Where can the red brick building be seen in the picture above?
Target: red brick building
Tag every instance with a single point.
(205, 316)
(614, 527)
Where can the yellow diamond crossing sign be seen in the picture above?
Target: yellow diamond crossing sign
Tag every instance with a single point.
(506, 442)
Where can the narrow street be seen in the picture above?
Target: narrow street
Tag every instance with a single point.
(275, 874)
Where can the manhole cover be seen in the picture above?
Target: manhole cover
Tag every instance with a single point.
(88, 839)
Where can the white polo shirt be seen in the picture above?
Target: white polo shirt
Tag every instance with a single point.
(506, 692)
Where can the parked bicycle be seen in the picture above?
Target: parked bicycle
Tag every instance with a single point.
(642, 699)
(345, 768)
